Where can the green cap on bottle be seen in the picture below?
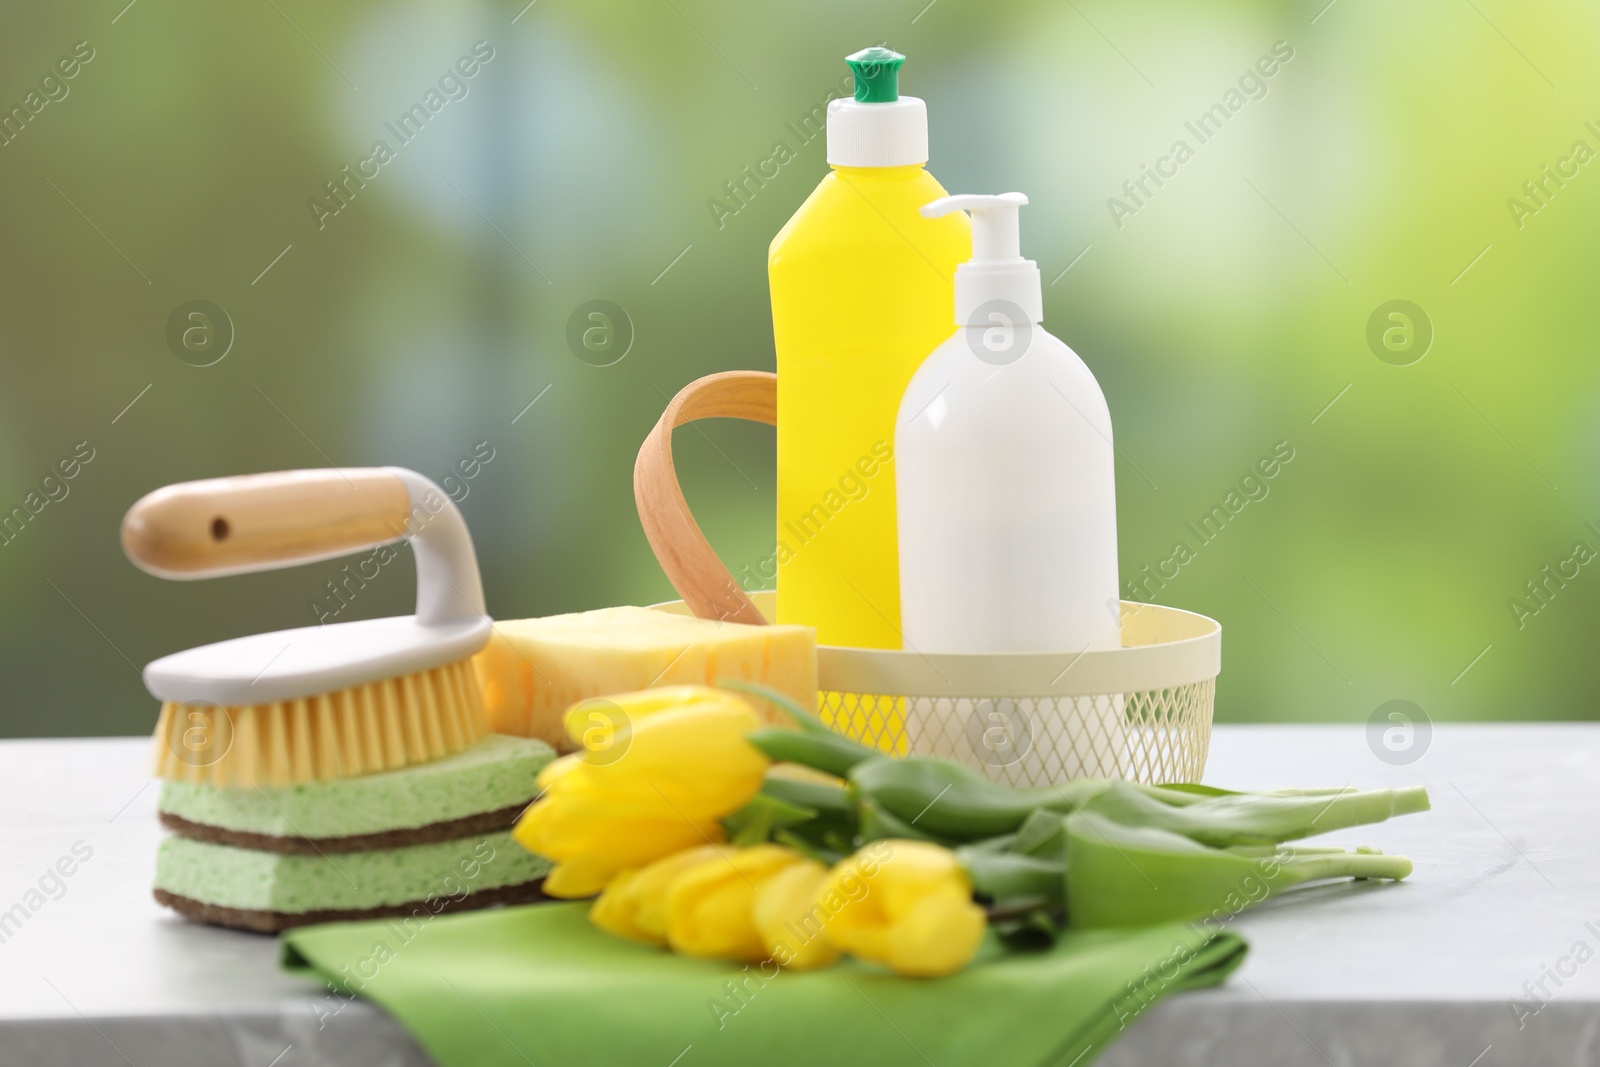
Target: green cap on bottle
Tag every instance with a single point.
(877, 75)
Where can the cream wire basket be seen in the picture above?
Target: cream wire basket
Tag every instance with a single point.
(1140, 712)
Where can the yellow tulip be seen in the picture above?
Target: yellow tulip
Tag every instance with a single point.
(589, 844)
(634, 905)
(658, 770)
(905, 904)
(679, 746)
(710, 906)
(789, 921)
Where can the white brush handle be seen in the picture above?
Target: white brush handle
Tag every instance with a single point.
(257, 522)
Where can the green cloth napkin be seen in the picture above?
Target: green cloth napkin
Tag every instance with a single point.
(538, 985)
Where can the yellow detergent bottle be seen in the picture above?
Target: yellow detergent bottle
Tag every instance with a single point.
(862, 286)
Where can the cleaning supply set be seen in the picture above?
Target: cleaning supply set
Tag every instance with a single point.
(947, 532)
(940, 783)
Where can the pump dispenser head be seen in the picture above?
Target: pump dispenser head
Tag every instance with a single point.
(879, 128)
(996, 271)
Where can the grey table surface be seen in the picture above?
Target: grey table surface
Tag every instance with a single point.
(1444, 970)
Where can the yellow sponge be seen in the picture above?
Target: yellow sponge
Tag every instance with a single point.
(534, 669)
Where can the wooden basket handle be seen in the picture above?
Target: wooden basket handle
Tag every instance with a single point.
(691, 564)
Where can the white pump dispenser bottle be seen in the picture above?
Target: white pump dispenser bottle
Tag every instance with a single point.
(1005, 470)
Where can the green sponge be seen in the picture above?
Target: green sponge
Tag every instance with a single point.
(270, 890)
(496, 773)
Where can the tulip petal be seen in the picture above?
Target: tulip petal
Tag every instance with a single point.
(791, 924)
(681, 747)
(710, 907)
(641, 704)
(694, 759)
(714, 923)
(589, 850)
(556, 769)
(905, 904)
(634, 904)
(937, 935)
(614, 909)
(577, 878)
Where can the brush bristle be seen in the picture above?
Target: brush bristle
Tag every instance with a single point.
(375, 727)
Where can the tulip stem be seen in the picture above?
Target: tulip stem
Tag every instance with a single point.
(1322, 866)
(832, 753)
(821, 853)
(807, 721)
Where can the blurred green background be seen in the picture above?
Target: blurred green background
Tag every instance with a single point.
(1227, 313)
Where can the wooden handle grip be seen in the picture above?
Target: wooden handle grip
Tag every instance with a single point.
(261, 521)
(688, 559)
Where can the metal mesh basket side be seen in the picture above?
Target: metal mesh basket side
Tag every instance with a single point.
(1158, 735)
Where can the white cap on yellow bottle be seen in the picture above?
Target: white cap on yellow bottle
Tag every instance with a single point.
(879, 127)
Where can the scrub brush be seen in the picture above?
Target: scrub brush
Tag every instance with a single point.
(319, 702)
